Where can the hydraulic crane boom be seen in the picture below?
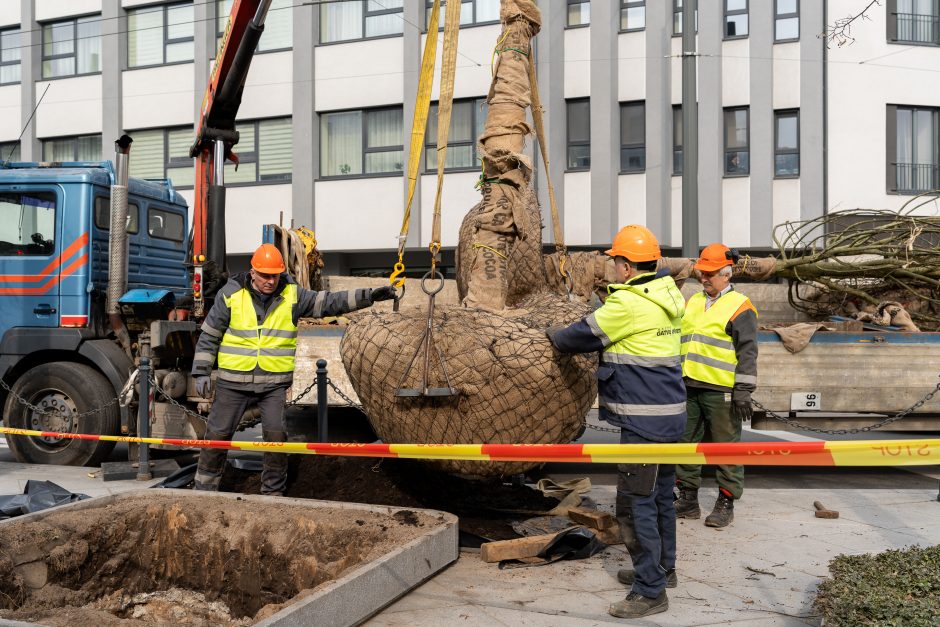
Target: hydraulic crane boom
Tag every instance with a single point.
(215, 138)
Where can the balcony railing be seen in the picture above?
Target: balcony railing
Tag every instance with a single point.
(918, 28)
(914, 178)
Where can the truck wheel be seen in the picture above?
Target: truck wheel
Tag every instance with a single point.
(67, 390)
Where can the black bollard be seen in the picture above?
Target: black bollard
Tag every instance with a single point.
(322, 402)
(143, 421)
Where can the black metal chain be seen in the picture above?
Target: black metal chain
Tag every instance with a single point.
(343, 396)
(46, 412)
(890, 419)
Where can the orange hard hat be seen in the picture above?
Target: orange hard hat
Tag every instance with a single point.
(268, 259)
(636, 243)
(714, 257)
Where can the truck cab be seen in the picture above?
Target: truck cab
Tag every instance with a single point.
(57, 351)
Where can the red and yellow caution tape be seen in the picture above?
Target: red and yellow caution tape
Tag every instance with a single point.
(920, 452)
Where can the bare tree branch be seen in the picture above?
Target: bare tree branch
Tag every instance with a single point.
(840, 31)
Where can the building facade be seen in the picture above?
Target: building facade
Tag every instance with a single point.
(789, 128)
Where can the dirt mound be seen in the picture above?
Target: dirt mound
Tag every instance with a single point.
(171, 560)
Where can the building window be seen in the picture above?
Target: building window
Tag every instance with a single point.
(160, 34)
(164, 154)
(677, 18)
(786, 20)
(737, 142)
(27, 224)
(10, 151)
(71, 47)
(80, 148)
(632, 136)
(579, 12)
(265, 152)
(362, 143)
(466, 125)
(360, 19)
(676, 140)
(471, 11)
(735, 19)
(278, 25)
(579, 134)
(632, 15)
(787, 143)
(917, 21)
(10, 56)
(916, 166)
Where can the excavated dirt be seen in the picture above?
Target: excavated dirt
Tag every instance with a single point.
(485, 508)
(184, 561)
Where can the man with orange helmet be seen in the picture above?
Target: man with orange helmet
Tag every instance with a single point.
(719, 361)
(252, 330)
(640, 390)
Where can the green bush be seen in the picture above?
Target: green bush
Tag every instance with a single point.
(897, 587)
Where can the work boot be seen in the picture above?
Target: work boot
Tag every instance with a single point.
(687, 504)
(723, 513)
(636, 606)
(628, 575)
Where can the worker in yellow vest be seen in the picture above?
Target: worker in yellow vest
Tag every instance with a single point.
(252, 329)
(719, 365)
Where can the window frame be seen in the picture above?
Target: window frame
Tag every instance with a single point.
(73, 55)
(568, 23)
(677, 145)
(169, 161)
(364, 146)
(779, 113)
(6, 154)
(221, 33)
(632, 4)
(623, 106)
(74, 139)
(892, 141)
(164, 8)
(430, 143)
(253, 156)
(894, 27)
(569, 143)
(427, 12)
(19, 62)
(365, 13)
(726, 13)
(786, 16)
(726, 149)
(676, 9)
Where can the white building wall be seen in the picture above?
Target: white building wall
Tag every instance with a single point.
(632, 199)
(735, 72)
(786, 201)
(631, 82)
(248, 209)
(786, 69)
(159, 96)
(268, 87)
(10, 108)
(54, 9)
(9, 13)
(577, 208)
(736, 212)
(457, 198)
(577, 62)
(472, 73)
(72, 106)
(359, 74)
(359, 214)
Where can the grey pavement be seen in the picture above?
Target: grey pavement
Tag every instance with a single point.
(763, 570)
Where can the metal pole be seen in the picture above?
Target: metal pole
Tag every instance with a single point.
(322, 402)
(689, 132)
(143, 421)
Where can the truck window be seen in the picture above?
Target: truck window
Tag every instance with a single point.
(27, 224)
(165, 224)
(103, 215)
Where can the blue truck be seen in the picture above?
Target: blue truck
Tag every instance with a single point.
(61, 355)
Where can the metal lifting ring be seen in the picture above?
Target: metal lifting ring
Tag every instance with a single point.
(432, 274)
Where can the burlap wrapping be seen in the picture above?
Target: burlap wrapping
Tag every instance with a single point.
(514, 388)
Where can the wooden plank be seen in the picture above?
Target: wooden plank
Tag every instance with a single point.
(591, 518)
(517, 548)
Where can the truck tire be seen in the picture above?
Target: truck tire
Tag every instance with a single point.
(74, 389)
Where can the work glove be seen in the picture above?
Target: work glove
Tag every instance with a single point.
(741, 408)
(202, 386)
(386, 292)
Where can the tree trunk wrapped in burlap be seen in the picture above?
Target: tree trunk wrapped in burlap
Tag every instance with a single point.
(514, 388)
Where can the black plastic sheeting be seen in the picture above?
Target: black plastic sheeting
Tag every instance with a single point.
(37, 496)
(185, 475)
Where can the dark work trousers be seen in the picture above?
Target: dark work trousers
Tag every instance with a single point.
(710, 420)
(226, 412)
(646, 512)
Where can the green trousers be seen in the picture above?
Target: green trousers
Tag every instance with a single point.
(710, 420)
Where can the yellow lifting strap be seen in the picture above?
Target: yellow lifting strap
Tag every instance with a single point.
(538, 118)
(444, 109)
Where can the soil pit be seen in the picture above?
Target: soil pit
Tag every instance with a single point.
(486, 508)
(182, 560)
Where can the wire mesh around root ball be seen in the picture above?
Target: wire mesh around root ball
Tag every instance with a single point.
(514, 388)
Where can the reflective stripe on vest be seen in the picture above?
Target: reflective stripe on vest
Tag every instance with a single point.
(708, 353)
(270, 346)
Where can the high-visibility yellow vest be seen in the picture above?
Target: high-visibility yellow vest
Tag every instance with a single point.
(270, 346)
(708, 353)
